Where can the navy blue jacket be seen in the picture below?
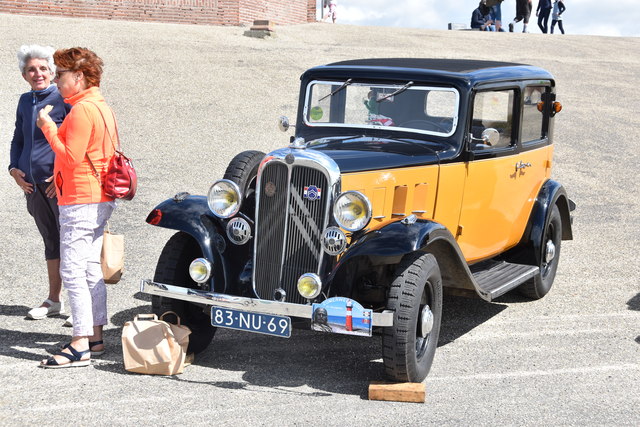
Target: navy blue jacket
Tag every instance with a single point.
(30, 151)
(544, 4)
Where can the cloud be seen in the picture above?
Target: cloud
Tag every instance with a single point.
(594, 17)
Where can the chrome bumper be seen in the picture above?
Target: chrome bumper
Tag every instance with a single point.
(241, 303)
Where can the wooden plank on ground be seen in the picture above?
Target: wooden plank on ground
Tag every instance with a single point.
(397, 392)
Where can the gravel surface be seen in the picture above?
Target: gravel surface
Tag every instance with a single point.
(189, 98)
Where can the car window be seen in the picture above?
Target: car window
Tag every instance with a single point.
(493, 110)
(532, 117)
(422, 109)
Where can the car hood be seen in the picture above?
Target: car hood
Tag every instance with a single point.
(356, 154)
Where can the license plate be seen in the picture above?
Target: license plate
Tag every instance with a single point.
(253, 322)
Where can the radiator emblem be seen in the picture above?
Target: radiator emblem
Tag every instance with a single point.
(312, 193)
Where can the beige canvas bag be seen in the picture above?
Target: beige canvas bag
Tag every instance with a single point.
(112, 256)
(153, 346)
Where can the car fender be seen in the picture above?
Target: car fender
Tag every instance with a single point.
(387, 245)
(552, 193)
(191, 215)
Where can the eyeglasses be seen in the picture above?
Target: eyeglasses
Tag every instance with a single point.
(60, 72)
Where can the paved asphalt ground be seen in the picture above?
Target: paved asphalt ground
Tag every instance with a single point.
(190, 97)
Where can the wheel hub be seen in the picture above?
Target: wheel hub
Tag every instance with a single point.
(426, 321)
(550, 251)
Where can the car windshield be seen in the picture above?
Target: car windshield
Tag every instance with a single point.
(403, 107)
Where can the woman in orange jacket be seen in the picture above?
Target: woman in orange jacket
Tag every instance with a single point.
(84, 139)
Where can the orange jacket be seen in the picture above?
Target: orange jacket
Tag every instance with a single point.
(82, 133)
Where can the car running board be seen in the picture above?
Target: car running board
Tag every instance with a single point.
(496, 278)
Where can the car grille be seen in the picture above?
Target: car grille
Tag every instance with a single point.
(289, 228)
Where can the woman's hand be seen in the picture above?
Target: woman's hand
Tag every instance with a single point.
(51, 188)
(25, 186)
(43, 116)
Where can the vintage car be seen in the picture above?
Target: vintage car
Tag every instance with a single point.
(405, 178)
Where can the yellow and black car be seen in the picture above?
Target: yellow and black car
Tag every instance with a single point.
(405, 177)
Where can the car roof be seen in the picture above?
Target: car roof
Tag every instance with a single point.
(467, 70)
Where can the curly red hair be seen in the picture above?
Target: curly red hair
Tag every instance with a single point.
(80, 59)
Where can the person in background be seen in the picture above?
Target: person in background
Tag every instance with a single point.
(495, 13)
(333, 10)
(84, 147)
(480, 18)
(542, 12)
(523, 12)
(31, 163)
(556, 15)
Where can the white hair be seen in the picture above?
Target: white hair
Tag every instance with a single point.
(28, 52)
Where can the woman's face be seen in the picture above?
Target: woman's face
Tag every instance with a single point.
(69, 82)
(37, 73)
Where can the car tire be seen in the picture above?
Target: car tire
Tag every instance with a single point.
(242, 170)
(173, 269)
(407, 354)
(540, 285)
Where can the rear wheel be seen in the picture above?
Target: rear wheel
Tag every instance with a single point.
(416, 298)
(540, 285)
(173, 269)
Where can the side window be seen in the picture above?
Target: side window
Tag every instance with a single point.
(532, 117)
(493, 109)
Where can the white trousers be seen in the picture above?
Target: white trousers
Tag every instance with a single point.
(81, 229)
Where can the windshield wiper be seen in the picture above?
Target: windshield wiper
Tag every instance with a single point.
(402, 89)
(345, 84)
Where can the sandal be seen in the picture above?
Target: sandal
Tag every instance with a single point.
(75, 359)
(92, 344)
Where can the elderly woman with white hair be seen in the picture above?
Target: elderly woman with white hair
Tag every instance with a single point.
(31, 163)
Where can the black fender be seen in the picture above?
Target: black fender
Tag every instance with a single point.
(552, 193)
(191, 215)
(389, 244)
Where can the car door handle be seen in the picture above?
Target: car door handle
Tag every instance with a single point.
(522, 165)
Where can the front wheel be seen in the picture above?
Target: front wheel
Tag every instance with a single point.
(416, 298)
(173, 269)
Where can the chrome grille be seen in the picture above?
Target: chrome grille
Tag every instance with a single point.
(289, 228)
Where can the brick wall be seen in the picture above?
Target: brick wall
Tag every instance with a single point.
(208, 12)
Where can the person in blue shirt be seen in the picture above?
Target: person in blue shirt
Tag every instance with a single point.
(556, 16)
(31, 163)
(480, 18)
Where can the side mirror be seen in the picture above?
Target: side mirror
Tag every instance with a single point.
(283, 123)
(490, 136)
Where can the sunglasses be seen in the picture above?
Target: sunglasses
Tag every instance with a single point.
(60, 72)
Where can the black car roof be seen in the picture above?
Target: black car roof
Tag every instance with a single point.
(468, 70)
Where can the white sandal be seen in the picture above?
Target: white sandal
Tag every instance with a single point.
(41, 312)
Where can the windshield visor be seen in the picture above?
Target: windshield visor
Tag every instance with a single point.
(421, 109)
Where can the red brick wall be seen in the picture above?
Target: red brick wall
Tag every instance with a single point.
(209, 12)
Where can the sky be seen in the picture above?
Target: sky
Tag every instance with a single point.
(591, 17)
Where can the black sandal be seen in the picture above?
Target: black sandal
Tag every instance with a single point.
(75, 359)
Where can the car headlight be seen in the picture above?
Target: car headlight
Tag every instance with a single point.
(200, 270)
(352, 211)
(309, 285)
(224, 198)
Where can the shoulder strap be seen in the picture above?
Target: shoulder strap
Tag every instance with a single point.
(115, 123)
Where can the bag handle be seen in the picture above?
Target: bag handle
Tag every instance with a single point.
(117, 149)
(171, 312)
(146, 316)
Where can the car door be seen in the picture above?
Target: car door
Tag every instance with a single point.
(498, 190)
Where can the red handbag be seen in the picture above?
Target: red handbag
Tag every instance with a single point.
(121, 180)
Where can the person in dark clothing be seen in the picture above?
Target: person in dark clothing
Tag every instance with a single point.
(542, 12)
(523, 12)
(31, 163)
(480, 18)
(556, 15)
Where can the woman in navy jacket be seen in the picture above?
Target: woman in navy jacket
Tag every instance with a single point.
(31, 163)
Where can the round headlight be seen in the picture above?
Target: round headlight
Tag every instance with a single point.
(352, 211)
(309, 285)
(224, 198)
(200, 270)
